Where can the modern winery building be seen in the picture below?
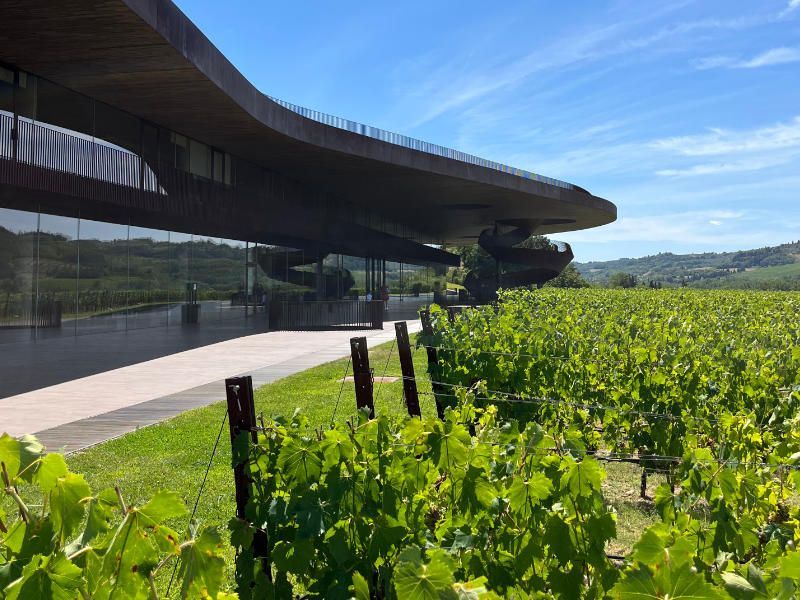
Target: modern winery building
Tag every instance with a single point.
(145, 183)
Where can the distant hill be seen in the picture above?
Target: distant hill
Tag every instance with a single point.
(775, 267)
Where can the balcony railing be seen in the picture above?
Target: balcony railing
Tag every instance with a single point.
(326, 315)
(48, 158)
(415, 144)
(68, 152)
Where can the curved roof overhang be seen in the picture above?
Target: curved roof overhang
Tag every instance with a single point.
(148, 58)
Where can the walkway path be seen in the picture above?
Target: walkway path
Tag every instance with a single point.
(83, 412)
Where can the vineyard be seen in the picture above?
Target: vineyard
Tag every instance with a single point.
(503, 497)
(502, 492)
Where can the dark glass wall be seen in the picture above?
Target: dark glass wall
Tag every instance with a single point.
(69, 276)
(17, 272)
(102, 277)
(218, 271)
(180, 278)
(72, 275)
(57, 271)
(148, 277)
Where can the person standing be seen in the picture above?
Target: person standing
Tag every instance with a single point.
(385, 297)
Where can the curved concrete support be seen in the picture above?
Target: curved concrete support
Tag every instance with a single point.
(540, 265)
(283, 265)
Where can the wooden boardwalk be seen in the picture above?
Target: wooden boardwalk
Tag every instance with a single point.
(87, 411)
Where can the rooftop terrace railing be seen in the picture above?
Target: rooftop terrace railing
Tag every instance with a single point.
(415, 144)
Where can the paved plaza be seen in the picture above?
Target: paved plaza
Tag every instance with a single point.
(142, 377)
(79, 413)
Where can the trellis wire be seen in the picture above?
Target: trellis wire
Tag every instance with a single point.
(341, 389)
(623, 457)
(385, 367)
(542, 357)
(633, 458)
(515, 398)
(200, 489)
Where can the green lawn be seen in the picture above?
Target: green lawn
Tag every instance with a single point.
(173, 455)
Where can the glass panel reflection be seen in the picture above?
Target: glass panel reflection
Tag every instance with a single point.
(148, 276)
(102, 277)
(229, 282)
(217, 271)
(179, 282)
(58, 270)
(17, 274)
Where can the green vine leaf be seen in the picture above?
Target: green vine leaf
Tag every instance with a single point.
(416, 580)
(666, 584)
(202, 566)
(46, 577)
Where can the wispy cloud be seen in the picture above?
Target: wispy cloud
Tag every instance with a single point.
(735, 151)
(772, 57)
(721, 141)
(725, 167)
(776, 56)
(719, 151)
(687, 227)
(448, 90)
(791, 7)
(696, 27)
(453, 85)
(713, 62)
(595, 131)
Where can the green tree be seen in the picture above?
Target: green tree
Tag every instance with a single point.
(570, 277)
(475, 258)
(622, 280)
(538, 242)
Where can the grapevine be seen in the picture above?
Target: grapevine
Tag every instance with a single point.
(503, 498)
(77, 544)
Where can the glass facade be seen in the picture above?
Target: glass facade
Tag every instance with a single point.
(18, 264)
(148, 277)
(102, 277)
(71, 276)
(57, 270)
(73, 273)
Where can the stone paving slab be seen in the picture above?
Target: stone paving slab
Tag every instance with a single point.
(81, 413)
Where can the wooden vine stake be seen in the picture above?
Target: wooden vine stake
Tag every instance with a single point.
(242, 421)
(362, 374)
(433, 361)
(407, 367)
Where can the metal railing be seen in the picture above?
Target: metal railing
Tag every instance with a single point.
(56, 149)
(415, 144)
(32, 315)
(43, 157)
(67, 153)
(326, 315)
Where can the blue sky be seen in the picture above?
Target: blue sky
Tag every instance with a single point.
(686, 114)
